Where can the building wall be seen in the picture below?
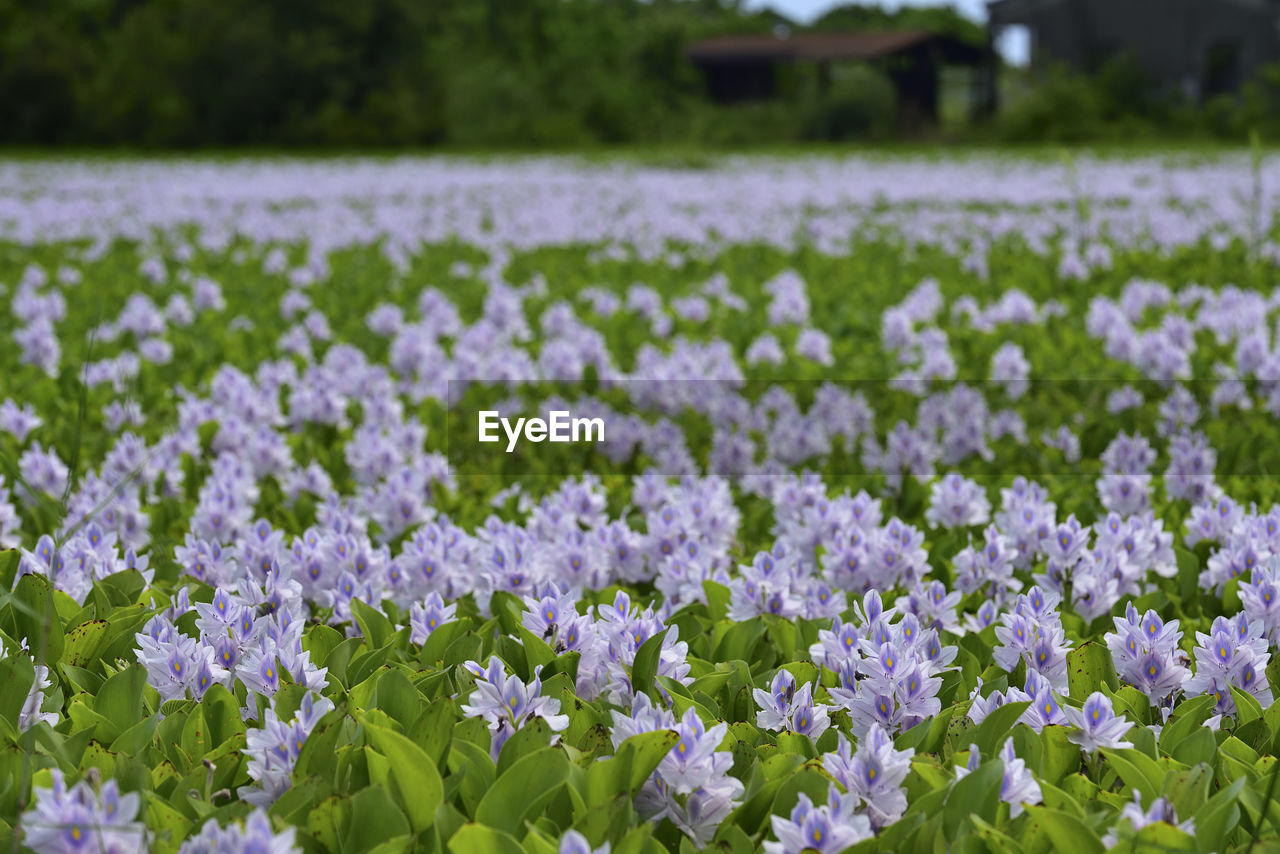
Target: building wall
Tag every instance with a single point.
(1197, 46)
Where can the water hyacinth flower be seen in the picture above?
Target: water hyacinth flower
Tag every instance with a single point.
(1161, 810)
(273, 750)
(693, 760)
(775, 704)
(65, 820)
(1044, 709)
(784, 708)
(874, 774)
(428, 615)
(691, 785)
(1018, 787)
(1097, 724)
(1232, 654)
(256, 835)
(1260, 597)
(1032, 632)
(956, 501)
(574, 842)
(1145, 651)
(827, 829)
(507, 703)
(555, 619)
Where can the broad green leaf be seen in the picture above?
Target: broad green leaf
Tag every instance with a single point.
(1059, 756)
(977, 793)
(994, 729)
(1089, 667)
(374, 625)
(1137, 771)
(120, 700)
(17, 674)
(479, 839)
(633, 763)
(84, 642)
(417, 783)
(1066, 832)
(1198, 746)
(518, 794)
(396, 696)
(645, 666)
(375, 819)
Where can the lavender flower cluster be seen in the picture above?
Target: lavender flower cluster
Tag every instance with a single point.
(297, 486)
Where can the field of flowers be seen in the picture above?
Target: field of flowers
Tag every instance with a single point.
(934, 509)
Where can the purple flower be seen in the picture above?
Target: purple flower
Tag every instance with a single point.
(1097, 724)
(427, 616)
(694, 761)
(66, 820)
(874, 774)
(273, 750)
(574, 842)
(776, 703)
(956, 502)
(1161, 810)
(1232, 654)
(1018, 787)
(1145, 651)
(255, 836)
(507, 703)
(827, 829)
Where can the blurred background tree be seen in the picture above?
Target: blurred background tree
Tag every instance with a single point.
(500, 74)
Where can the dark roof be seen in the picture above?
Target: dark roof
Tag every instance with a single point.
(826, 47)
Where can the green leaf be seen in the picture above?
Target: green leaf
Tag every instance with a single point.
(1247, 706)
(1157, 836)
(1189, 790)
(717, 600)
(476, 768)
(509, 609)
(1188, 573)
(1186, 719)
(84, 642)
(1060, 827)
(738, 641)
(530, 738)
(525, 789)
(396, 696)
(1089, 667)
(978, 793)
(136, 738)
(434, 730)
(195, 737)
(994, 729)
(374, 625)
(1198, 746)
(624, 773)
(35, 617)
(536, 651)
(1219, 816)
(221, 714)
(417, 783)
(1137, 770)
(996, 841)
(17, 675)
(645, 666)
(120, 700)
(809, 781)
(1059, 756)
(375, 818)
(479, 839)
